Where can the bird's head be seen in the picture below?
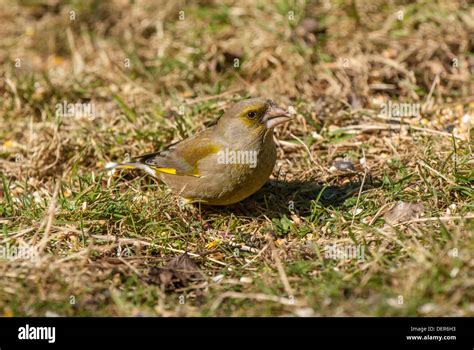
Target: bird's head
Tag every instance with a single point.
(253, 116)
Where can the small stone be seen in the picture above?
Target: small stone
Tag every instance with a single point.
(304, 312)
(451, 209)
(466, 119)
(427, 308)
(344, 165)
(217, 278)
(51, 314)
(246, 280)
(296, 219)
(454, 272)
(316, 136)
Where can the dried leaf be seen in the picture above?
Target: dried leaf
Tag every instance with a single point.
(179, 271)
(404, 211)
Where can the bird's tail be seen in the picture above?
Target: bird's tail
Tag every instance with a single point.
(131, 165)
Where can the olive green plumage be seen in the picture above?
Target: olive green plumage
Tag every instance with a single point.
(223, 164)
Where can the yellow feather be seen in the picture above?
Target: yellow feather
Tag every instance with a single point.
(171, 171)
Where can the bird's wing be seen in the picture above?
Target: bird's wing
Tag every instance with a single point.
(182, 158)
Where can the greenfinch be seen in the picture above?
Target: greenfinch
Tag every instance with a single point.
(223, 164)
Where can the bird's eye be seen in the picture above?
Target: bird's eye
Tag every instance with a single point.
(251, 115)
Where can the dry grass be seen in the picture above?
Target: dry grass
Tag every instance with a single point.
(154, 79)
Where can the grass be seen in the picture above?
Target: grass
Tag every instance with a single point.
(155, 79)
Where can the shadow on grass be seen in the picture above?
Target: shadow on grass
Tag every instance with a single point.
(278, 198)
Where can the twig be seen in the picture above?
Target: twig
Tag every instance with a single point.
(396, 240)
(364, 127)
(377, 214)
(242, 247)
(437, 173)
(254, 296)
(131, 241)
(304, 145)
(15, 235)
(440, 218)
(49, 217)
(207, 98)
(393, 64)
(279, 265)
(307, 150)
(256, 256)
(360, 192)
(428, 97)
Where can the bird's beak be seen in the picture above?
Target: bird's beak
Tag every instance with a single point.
(275, 116)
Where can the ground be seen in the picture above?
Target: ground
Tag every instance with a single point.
(369, 210)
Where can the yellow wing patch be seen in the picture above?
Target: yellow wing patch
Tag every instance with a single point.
(172, 171)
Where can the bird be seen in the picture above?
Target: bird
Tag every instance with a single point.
(223, 164)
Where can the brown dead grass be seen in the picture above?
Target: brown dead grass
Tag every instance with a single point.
(335, 63)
